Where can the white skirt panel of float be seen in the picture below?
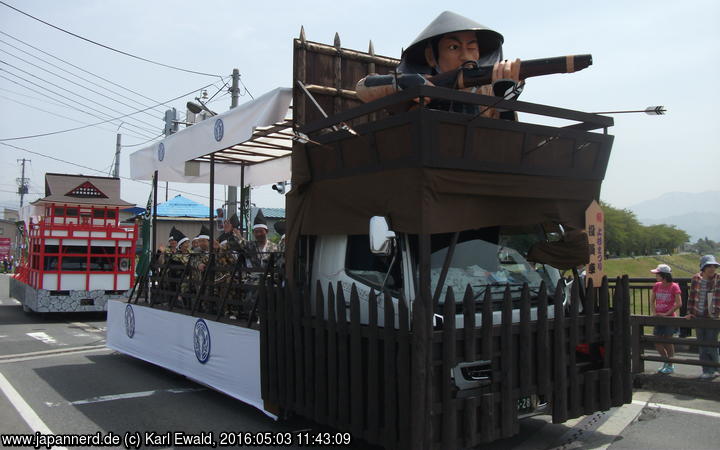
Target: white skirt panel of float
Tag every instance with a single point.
(223, 357)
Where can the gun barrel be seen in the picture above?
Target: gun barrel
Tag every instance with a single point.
(468, 77)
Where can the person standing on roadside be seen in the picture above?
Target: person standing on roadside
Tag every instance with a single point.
(664, 302)
(704, 302)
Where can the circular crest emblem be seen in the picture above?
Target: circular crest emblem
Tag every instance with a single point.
(219, 130)
(129, 321)
(201, 341)
(161, 151)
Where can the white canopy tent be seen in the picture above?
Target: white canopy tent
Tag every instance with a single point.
(251, 142)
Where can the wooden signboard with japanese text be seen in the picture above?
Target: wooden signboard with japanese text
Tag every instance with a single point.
(595, 228)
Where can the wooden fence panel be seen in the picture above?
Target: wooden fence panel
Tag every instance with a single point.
(449, 422)
(403, 375)
(525, 358)
(320, 365)
(281, 348)
(559, 405)
(358, 377)
(343, 361)
(508, 405)
(390, 378)
(617, 351)
(332, 372)
(298, 318)
(309, 410)
(357, 396)
(543, 347)
(373, 378)
(574, 394)
(625, 336)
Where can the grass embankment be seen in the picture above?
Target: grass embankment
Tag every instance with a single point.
(683, 265)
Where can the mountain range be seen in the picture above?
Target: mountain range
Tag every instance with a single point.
(696, 213)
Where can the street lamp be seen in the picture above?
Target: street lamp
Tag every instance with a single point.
(197, 108)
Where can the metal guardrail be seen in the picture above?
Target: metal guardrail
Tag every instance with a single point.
(638, 338)
(640, 289)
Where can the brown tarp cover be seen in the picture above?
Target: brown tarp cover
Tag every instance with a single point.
(429, 200)
(572, 251)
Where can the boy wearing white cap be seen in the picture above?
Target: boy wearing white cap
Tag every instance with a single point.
(664, 301)
(704, 301)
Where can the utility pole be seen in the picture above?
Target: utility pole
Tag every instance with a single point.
(171, 126)
(22, 182)
(232, 190)
(116, 170)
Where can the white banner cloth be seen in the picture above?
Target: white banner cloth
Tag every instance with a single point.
(180, 343)
(219, 132)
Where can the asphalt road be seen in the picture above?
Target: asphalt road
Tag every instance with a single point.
(56, 376)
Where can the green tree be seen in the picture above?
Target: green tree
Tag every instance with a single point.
(625, 236)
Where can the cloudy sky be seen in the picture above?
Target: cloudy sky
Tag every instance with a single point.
(645, 53)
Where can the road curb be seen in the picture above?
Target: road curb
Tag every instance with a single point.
(678, 384)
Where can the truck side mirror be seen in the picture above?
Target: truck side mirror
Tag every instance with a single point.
(380, 236)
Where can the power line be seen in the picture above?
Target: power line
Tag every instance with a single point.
(142, 127)
(93, 169)
(73, 103)
(52, 113)
(106, 46)
(143, 143)
(82, 69)
(74, 82)
(97, 123)
(67, 105)
(41, 99)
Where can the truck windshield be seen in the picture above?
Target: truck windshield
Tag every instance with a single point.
(491, 258)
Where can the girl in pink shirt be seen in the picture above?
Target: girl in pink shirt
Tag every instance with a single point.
(665, 301)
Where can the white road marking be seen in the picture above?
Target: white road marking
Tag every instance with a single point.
(677, 408)
(48, 353)
(109, 398)
(86, 327)
(26, 412)
(43, 337)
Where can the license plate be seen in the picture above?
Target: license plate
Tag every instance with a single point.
(525, 404)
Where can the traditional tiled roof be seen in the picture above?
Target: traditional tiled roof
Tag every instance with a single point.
(82, 190)
(269, 213)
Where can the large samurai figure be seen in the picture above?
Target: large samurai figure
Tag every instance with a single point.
(450, 42)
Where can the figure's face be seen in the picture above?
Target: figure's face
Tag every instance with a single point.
(454, 49)
(227, 227)
(185, 246)
(260, 234)
(172, 244)
(203, 244)
(709, 270)
(658, 277)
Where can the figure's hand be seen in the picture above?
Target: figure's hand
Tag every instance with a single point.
(689, 316)
(506, 70)
(201, 267)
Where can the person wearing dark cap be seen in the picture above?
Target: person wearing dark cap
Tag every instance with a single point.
(704, 301)
(202, 249)
(450, 42)
(262, 245)
(166, 252)
(177, 262)
(172, 241)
